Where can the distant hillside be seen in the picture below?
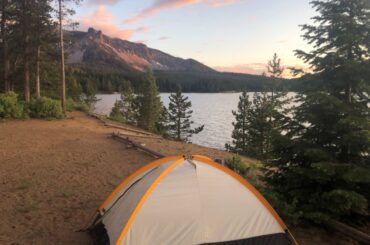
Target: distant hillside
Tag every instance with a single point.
(211, 82)
(106, 62)
(94, 49)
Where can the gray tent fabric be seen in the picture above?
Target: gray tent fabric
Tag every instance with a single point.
(185, 202)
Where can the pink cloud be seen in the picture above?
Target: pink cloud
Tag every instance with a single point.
(160, 5)
(253, 68)
(103, 20)
(257, 69)
(218, 3)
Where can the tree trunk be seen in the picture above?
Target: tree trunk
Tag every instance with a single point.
(349, 92)
(38, 93)
(26, 79)
(62, 68)
(178, 128)
(26, 60)
(6, 63)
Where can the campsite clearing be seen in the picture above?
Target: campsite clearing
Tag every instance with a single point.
(54, 175)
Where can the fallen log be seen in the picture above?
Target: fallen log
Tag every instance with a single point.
(127, 129)
(349, 231)
(112, 125)
(127, 140)
(140, 136)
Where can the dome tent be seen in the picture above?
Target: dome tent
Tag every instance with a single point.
(175, 200)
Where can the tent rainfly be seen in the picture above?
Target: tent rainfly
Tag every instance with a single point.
(178, 201)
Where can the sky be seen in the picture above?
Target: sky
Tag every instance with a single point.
(228, 35)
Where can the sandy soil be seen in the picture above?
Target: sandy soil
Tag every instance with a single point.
(54, 174)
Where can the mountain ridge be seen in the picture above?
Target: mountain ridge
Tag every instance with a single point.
(93, 48)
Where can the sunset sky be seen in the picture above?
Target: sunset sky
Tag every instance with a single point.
(230, 35)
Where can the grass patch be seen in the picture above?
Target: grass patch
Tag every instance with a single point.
(67, 194)
(85, 164)
(24, 184)
(26, 206)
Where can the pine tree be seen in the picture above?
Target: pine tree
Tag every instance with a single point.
(5, 26)
(241, 137)
(323, 157)
(264, 116)
(149, 104)
(74, 89)
(162, 125)
(179, 116)
(89, 96)
(42, 37)
(126, 109)
(260, 125)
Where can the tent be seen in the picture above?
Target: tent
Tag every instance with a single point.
(178, 200)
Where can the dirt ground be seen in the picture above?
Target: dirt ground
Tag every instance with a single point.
(54, 174)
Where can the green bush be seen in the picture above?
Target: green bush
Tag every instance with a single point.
(44, 107)
(10, 107)
(77, 105)
(70, 105)
(287, 210)
(116, 113)
(237, 165)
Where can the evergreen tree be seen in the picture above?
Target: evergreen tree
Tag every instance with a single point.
(43, 36)
(126, 109)
(5, 26)
(116, 112)
(274, 67)
(89, 96)
(149, 104)
(264, 118)
(162, 125)
(179, 116)
(323, 164)
(241, 137)
(74, 89)
(261, 126)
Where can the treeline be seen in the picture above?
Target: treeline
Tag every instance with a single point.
(211, 82)
(316, 150)
(32, 49)
(169, 81)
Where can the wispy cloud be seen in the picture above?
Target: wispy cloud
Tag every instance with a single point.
(161, 5)
(103, 20)
(282, 41)
(105, 2)
(141, 41)
(164, 38)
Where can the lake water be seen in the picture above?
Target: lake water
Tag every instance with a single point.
(211, 109)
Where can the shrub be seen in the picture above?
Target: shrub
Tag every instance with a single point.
(44, 107)
(77, 105)
(70, 105)
(287, 210)
(237, 165)
(116, 113)
(10, 107)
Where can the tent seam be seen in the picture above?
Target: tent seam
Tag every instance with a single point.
(145, 197)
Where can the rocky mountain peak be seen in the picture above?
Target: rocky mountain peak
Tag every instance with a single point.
(95, 34)
(93, 48)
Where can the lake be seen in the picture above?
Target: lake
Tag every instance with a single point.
(211, 109)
